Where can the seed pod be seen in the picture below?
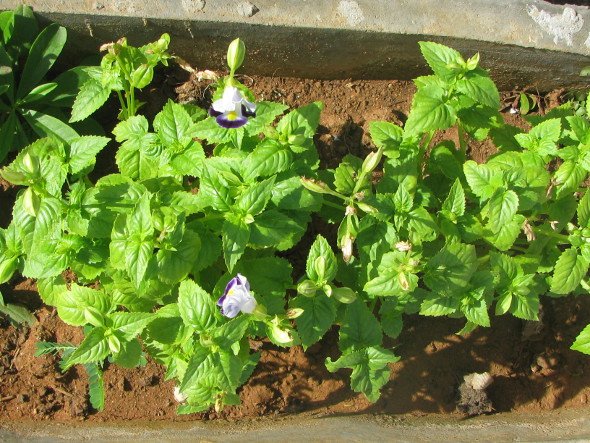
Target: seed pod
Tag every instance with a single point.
(315, 185)
(372, 161)
(294, 313)
(344, 295)
(114, 344)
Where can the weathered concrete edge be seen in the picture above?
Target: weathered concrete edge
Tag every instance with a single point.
(569, 425)
(331, 39)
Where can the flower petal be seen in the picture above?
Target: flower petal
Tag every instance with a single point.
(243, 281)
(230, 120)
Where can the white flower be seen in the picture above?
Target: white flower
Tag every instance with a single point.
(237, 298)
(179, 396)
(232, 109)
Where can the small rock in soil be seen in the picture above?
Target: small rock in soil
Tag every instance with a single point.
(473, 399)
(247, 9)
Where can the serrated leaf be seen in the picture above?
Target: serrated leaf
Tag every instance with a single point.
(255, 198)
(319, 313)
(429, 112)
(387, 136)
(480, 88)
(502, 208)
(582, 343)
(569, 177)
(236, 234)
(95, 386)
(444, 61)
(583, 210)
(570, 269)
(94, 348)
(455, 202)
(83, 152)
(92, 96)
(174, 125)
(481, 179)
(268, 158)
(359, 327)
(196, 306)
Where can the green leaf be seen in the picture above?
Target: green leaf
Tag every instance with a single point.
(391, 317)
(72, 304)
(444, 61)
(304, 120)
(429, 112)
(83, 152)
(196, 306)
(370, 371)
(386, 135)
(481, 179)
(92, 96)
(137, 157)
(95, 386)
(569, 177)
(46, 125)
(236, 234)
(346, 174)
(131, 324)
(319, 313)
(455, 202)
(177, 257)
(43, 53)
(437, 305)
(266, 112)
(268, 158)
(321, 264)
(174, 125)
(138, 240)
(480, 88)
(583, 211)
(403, 200)
(254, 199)
(17, 314)
(130, 354)
(94, 348)
(502, 208)
(359, 327)
(582, 343)
(291, 195)
(451, 268)
(231, 332)
(570, 269)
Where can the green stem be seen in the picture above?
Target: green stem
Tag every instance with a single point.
(462, 140)
(333, 205)
(131, 108)
(122, 102)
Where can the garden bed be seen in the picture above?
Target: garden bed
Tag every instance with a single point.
(532, 367)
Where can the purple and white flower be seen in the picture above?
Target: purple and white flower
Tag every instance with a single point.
(237, 298)
(232, 109)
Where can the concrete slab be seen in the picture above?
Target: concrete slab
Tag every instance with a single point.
(571, 425)
(523, 42)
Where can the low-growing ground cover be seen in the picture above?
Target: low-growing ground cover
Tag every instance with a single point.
(223, 244)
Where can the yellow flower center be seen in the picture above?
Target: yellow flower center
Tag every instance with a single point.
(232, 115)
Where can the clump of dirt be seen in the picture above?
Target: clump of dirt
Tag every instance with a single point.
(532, 371)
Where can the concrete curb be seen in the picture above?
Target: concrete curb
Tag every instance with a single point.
(523, 42)
(570, 425)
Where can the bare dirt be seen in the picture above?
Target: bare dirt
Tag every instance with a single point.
(532, 366)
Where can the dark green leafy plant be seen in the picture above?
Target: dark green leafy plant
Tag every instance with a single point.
(30, 106)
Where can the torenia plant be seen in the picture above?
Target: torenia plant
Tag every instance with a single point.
(123, 70)
(175, 255)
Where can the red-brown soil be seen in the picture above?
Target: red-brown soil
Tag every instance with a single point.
(533, 368)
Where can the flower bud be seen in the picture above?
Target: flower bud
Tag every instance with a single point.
(344, 295)
(235, 54)
(327, 290)
(31, 202)
(346, 246)
(297, 139)
(403, 246)
(307, 288)
(114, 344)
(366, 208)
(315, 185)
(31, 163)
(372, 161)
(278, 335)
(7, 268)
(179, 396)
